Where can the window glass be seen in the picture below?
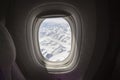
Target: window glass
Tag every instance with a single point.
(55, 39)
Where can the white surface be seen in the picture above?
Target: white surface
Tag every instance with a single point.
(55, 39)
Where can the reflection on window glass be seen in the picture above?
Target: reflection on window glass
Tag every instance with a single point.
(55, 39)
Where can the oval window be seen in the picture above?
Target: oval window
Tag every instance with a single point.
(55, 39)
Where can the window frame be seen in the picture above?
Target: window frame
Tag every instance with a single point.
(49, 63)
(73, 18)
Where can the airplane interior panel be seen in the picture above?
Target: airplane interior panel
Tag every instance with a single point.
(59, 40)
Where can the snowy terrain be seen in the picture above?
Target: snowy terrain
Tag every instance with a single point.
(55, 39)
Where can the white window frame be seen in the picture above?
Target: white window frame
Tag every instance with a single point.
(71, 14)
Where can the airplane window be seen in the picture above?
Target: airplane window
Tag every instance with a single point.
(55, 39)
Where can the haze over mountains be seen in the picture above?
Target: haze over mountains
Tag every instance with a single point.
(55, 39)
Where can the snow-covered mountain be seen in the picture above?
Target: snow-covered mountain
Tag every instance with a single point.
(55, 39)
